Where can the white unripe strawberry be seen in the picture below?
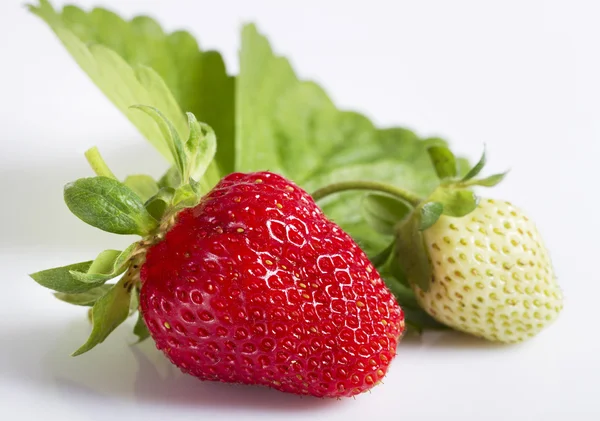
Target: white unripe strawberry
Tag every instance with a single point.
(491, 274)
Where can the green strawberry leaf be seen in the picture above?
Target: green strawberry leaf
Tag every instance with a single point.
(443, 161)
(108, 205)
(60, 279)
(87, 298)
(457, 202)
(430, 213)
(382, 212)
(142, 185)
(136, 62)
(107, 313)
(291, 127)
(108, 265)
(474, 172)
(123, 83)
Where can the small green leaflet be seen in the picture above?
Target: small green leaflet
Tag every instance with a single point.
(87, 298)
(140, 329)
(201, 146)
(108, 313)
(142, 185)
(108, 205)
(193, 157)
(60, 279)
(474, 172)
(102, 265)
(85, 276)
(170, 134)
(136, 62)
(108, 265)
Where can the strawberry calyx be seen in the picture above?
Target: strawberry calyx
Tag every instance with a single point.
(137, 205)
(404, 216)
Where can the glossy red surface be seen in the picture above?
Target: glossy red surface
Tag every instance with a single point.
(256, 286)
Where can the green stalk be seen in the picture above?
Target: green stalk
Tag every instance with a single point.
(98, 164)
(374, 186)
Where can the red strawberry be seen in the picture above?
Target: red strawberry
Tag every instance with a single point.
(255, 285)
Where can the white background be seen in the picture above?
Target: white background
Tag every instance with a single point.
(522, 77)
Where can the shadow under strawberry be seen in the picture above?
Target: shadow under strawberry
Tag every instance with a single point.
(126, 376)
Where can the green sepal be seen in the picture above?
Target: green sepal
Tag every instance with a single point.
(107, 313)
(170, 135)
(490, 181)
(434, 141)
(457, 202)
(414, 316)
(140, 329)
(443, 161)
(411, 253)
(142, 185)
(463, 166)
(430, 213)
(185, 196)
(134, 302)
(60, 279)
(387, 265)
(380, 259)
(383, 212)
(87, 298)
(201, 147)
(160, 202)
(108, 265)
(474, 172)
(109, 205)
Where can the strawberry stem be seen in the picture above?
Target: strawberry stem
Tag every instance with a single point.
(98, 164)
(374, 186)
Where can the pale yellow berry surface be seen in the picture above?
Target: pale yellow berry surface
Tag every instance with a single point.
(492, 275)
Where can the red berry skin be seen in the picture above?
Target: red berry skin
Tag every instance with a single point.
(255, 285)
